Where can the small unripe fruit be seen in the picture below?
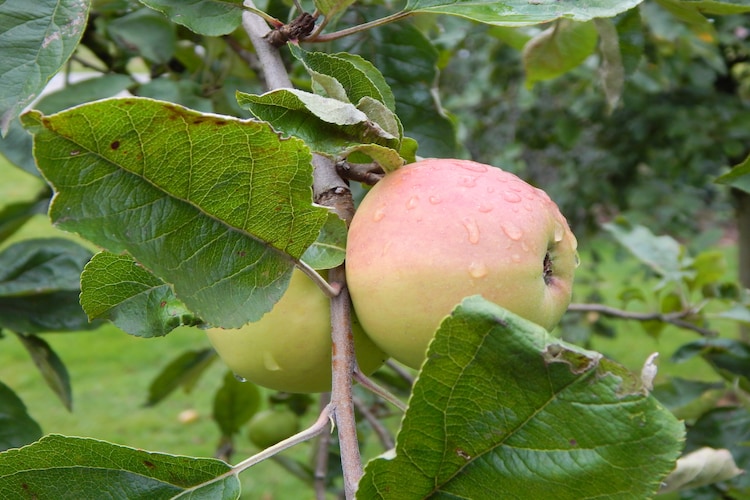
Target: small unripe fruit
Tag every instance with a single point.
(269, 427)
(289, 348)
(433, 232)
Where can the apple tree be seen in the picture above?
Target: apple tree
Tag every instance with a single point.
(217, 154)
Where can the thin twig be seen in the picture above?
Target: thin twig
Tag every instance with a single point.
(328, 37)
(377, 389)
(321, 455)
(385, 437)
(400, 371)
(320, 425)
(676, 318)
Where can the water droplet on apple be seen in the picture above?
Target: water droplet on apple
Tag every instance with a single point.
(412, 203)
(515, 258)
(511, 197)
(379, 214)
(485, 208)
(477, 270)
(435, 199)
(514, 232)
(239, 378)
(270, 363)
(490, 189)
(468, 181)
(472, 228)
(474, 167)
(577, 259)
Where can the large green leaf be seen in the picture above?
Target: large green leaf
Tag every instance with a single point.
(234, 404)
(50, 365)
(183, 371)
(503, 410)
(663, 253)
(68, 467)
(558, 49)
(522, 12)
(207, 17)
(36, 38)
(118, 289)
(408, 61)
(738, 177)
(39, 286)
(721, 7)
(145, 33)
(216, 206)
(357, 76)
(17, 428)
(328, 125)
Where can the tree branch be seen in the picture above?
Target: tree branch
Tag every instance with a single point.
(274, 71)
(676, 318)
(334, 193)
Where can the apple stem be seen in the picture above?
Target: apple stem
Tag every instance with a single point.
(377, 389)
(330, 289)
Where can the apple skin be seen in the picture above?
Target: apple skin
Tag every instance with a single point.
(435, 231)
(289, 348)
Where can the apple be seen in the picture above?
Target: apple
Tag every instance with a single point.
(289, 348)
(435, 231)
(269, 427)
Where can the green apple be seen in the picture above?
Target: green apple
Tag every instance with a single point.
(289, 348)
(433, 232)
(268, 427)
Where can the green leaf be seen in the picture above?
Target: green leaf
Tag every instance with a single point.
(218, 207)
(183, 371)
(15, 215)
(358, 77)
(688, 399)
(17, 428)
(39, 286)
(36, 39)
(558, 49)
(730, 358)
(118, 289)
(408, 60)
(91, 89)
(721, 7)
(329, 8)
(51, 367)
(329, 250)
(522, 12)
(234, 404)
(611, 69)
(145, 33)
(738, 177)
(699, 468)
(69, 467)
(725, 428)
(327, 125)
(503, 410)
(206, 17)
(663, 254)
